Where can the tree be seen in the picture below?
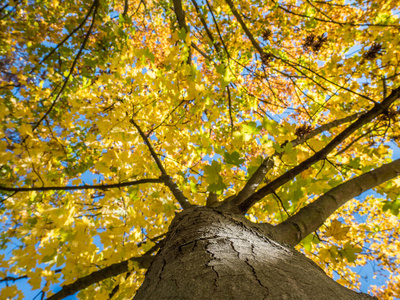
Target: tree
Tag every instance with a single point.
(207, 142)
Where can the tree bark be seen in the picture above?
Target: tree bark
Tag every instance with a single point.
(209, 254)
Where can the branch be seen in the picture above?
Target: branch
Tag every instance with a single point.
(322, 13)
(333, 21)
(126, 6)
(230, 108)
(71, 69)
(244, 27)
(144, 262)
(166, 118)
(291, 64)
(289, 175)
(13, 279)
(82, 187)
(217, 28)
(258, 176)
(69, 35)
(180, 16)
(203, 21)
(312, 216)
(183, 201)
(351, 144)
(193, 45)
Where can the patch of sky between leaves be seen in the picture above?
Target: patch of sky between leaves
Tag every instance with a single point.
(368, 271)
(22, 284)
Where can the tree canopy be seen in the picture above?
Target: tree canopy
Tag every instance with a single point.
(116, 114)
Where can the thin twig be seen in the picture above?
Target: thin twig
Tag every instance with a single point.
(335, 22)
(281, 202)
(291, 64)
(230, 108)
(70, 34)
(82, 187)
(70, 71)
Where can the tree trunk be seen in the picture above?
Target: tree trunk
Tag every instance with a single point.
(213, 255)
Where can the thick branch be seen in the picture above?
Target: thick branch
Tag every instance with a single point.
(183, 201)
(110, 271)
(259, 175)
(289, 175)
(82, 187)
(312, 216)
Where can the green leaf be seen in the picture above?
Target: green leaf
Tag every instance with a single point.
(148, 54)
(221, 69)
(217, 187)
(288, 148)
(349, 252)
(213, 178)
(308, 241)
(355, 163)
(393, 206)
(250, 128)
(193, 186)
(278, 148)
(298, 193)
(271, 126)
(212, 172)
(311, 23)
(182, 33)
(50, 257)
(233, 158)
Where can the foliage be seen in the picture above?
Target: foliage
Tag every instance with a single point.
(163, 103)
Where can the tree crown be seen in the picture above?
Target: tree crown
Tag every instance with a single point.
(283, 111)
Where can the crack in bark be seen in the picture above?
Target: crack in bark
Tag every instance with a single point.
(181, 246)
(253, 270)
(247, 262)
(212, 257)
(161, 271)
(176, 283)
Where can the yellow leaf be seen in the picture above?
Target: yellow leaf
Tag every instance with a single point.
(337, 231)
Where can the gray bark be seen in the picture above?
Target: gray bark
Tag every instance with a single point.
(209, 254)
